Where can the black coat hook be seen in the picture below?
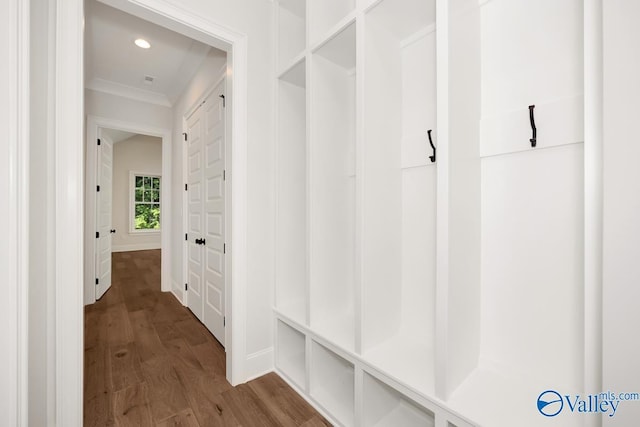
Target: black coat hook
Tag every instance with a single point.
(533, 126)
(432, 158)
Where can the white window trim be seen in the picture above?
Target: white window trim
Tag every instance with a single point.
(132, 203)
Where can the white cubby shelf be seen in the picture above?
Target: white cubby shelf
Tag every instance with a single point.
(325, 15)
(291, 353)
(384, 406)
(399, 191)
(292, 30)
(332, 189)
(416, 292)
(332, 383)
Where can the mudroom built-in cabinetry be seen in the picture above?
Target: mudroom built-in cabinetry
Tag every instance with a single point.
(430, 205)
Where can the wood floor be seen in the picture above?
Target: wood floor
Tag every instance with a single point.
(149, 362)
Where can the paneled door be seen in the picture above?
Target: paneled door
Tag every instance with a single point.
(104, 196)
(195, 215)
(206, 216)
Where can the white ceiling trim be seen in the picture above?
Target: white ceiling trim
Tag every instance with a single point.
(118, 89)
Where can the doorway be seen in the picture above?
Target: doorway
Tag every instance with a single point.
(69, 123)
(102, 134)
(158, 73)
(128, 198)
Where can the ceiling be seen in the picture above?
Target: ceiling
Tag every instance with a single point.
(114, 64)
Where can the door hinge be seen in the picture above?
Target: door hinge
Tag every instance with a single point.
(224, 248)
(185, 135)
(186, 186)
(97, 281)
(98, 141)
(186, 287)
(185, 236)
(97, 234)
(224, 321)
(97, 188)
(224, 101)
(224, 174)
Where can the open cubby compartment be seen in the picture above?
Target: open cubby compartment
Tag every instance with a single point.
(518, 332)
(400, 77)
(332, 383)
(291, 236)
(384, 406)
(531, 322)
(291, 353)
(324, 15)
(511, 81)
(292, 30)
(399, 203)
(332, 184)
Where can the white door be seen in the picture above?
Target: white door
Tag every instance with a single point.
(104, 198)
(206, 207)
(214, 188)
(195, 220)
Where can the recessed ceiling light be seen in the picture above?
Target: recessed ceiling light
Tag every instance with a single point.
(142, 43)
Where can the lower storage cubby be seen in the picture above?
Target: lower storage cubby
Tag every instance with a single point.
(290, 358)
(387, 407)
(332, 383)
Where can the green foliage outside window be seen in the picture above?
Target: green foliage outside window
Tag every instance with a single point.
(147, 203)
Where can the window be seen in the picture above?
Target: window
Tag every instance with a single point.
(145, 207)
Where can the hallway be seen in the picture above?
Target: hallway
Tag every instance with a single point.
(150, 362)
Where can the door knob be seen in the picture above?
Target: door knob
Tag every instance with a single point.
(113, 231)
(200, 241)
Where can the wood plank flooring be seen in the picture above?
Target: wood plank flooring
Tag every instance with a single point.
(149, 362)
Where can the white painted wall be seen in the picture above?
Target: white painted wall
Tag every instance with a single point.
(208, 73)
(621, 269)
(140, 154)
(118, 108)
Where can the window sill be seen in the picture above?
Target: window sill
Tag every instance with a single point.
(134, 232)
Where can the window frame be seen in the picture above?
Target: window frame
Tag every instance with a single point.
(132, 203)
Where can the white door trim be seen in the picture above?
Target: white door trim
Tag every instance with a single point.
(14, 211)
(69, 211)
(93, 124)
(69, 200)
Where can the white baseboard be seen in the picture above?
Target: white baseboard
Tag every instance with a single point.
(259, 363)
(136, 247)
